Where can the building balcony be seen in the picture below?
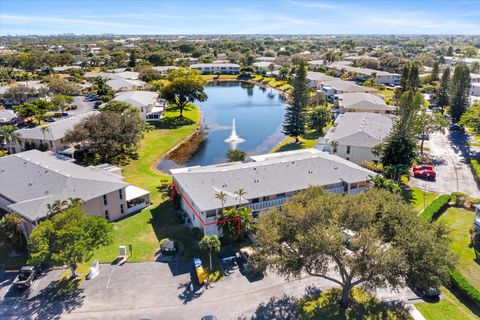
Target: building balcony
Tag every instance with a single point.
(264, 205)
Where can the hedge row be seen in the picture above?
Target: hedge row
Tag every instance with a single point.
(463, 286)
(432, 211)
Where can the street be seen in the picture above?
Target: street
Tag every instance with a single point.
(453, 172)
(155, 290)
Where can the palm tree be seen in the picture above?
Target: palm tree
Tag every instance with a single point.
(44, 129)
(8, 134)
(56, 206)
(334, 145)
(222, 196)
(210, 243)
(239, 195)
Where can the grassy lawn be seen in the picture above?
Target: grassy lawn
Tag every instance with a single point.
(211, 77)
(460, 221)
(449, 307)
(144, 229)
(387, 93)
(306, 141)
(418, 198)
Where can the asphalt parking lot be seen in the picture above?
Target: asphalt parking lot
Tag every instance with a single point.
(453, 172)
(155, 290)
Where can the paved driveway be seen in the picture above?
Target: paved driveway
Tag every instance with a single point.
(453, 172)
(83, 106)
(169, 291)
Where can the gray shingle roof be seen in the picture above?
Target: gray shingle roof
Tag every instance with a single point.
(55, 130)
(290, 171)
(362, 100)
(319, 76)
(360, 129)
(33, 179)
(347, 86)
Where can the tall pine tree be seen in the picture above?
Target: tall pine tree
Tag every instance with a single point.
(441, 96)
(132, 62)
(459, 91)
(435, 71)
(294, 121)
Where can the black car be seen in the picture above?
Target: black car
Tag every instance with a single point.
(49, 119)
(25, 276)
(427, 292)
(456, 127)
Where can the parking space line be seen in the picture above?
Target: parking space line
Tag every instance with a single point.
(36, 284)
(109, 278)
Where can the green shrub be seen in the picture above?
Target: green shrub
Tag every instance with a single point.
(475, 168)
(464, 287)
(433, 210)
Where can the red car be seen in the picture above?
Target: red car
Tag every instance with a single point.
(425, 174)
(422, 167)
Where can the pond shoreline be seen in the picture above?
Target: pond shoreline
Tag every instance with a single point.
(193, 136)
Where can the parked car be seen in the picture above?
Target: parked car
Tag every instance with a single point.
(423, 167)
(427, 293)
(209, 317)
(456, 127)
(73, 107)
(49, 119)
(25, 276)
(425, 174)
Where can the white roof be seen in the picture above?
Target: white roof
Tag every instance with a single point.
(319, 76)
(360, 129)
(132, 192)
(137, 98)
(124, 84)
(346, 86)
(214, 65)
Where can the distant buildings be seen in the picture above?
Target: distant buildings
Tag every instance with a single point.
(363, 74)
(122, 84)
(269, 181)
(316, 79)
(354, 134)
(7, 117)
(165, 70)
(214, 68)
(32, 180)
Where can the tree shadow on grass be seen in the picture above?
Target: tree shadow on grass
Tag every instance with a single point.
(172, 122)
(50, 303)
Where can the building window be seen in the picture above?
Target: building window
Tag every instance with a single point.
(107, 215)
(105, 200)
(348, 149)
(120, 194)
(121, 209)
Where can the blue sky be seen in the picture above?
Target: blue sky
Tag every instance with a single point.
(239, 17)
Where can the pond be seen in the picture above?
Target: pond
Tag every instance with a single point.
(258, 114)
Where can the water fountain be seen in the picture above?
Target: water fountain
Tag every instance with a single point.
(234, 136)
(234, 139)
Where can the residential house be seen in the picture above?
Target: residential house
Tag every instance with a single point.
(316, 79)
(269, 181)
(165, 70)
(32, 180)
(475, 89)
(265, 59)
(151, 107)
(354, 134)
(7, 116)
(363, 74)
(474, 77)
(132, 75)
(48, 137)
(363, 102)
(452, 61)
(214, 68)
(265, 66)
(314, 64)
(122, 84)
(335, 87)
